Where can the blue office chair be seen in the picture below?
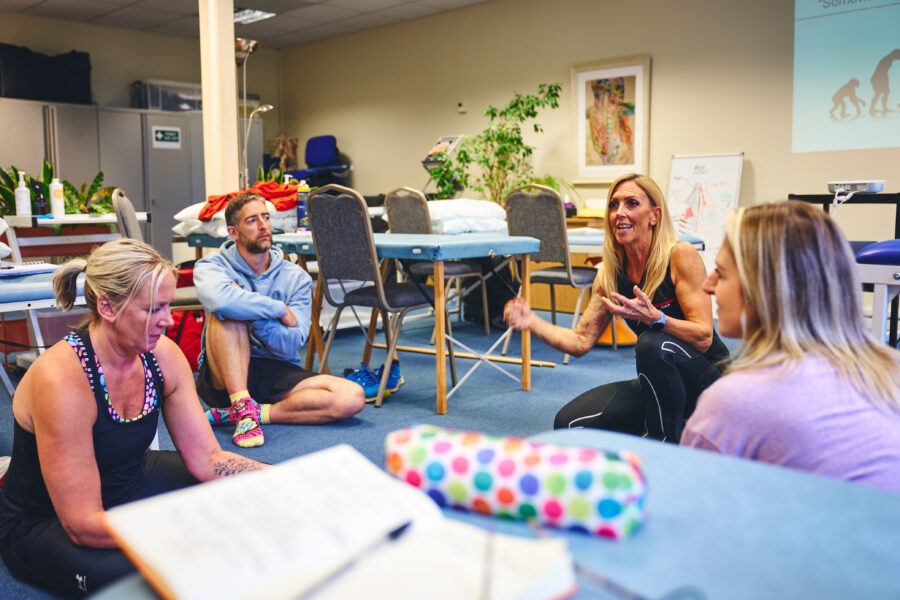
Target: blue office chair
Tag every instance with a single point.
(323, 162)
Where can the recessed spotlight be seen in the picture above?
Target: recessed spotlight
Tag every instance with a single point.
(245, 16)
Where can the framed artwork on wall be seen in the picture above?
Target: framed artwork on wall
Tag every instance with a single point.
(612, 118)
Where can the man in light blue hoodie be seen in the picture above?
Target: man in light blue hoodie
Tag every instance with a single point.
(259, 306)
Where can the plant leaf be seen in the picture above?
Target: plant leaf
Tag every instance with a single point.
(95, 185)
(47, 172)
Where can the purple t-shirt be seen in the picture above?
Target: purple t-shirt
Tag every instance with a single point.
(808, 418)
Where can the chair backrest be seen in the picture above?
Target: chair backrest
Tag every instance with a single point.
(342, 235)
(126, 219)
(321, 151)
(540, 214)
(407, 211)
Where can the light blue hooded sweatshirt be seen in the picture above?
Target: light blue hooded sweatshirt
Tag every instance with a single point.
(258, 299)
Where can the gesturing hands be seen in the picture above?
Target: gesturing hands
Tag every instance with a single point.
(517, 314)
(639, 308)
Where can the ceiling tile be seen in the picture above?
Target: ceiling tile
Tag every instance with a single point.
(449, 4)
(180, 7)
(322, 13)
(269, 27)
(307, 36)
(410, 10)
(130, 17)
(364, 5)
(183, 27)
(17, 5)
(71, 10)
(368, 21)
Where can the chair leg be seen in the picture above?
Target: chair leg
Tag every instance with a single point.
(506, 343)
(323, 360)
(575, 317)
(553, 304)
(484, 306)
(391, 335)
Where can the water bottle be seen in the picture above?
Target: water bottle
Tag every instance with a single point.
(23, 197)
(302, 218)
(57, 199)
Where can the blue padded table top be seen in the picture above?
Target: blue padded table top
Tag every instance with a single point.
(740, 529)
(880, 253)
(597, 239)
(729, 527)
(30, 288)
(407, 245)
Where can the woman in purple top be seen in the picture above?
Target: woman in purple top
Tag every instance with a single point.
(809, 389)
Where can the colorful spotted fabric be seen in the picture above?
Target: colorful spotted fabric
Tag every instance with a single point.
(151, 395)
(580, 489)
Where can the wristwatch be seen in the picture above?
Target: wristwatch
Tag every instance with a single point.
(657, 325)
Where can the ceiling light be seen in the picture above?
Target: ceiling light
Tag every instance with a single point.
(245, 16)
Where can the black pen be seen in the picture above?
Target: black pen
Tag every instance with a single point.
(339, 569)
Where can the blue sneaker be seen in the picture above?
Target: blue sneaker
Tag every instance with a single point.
(368, 380)
(395, 378)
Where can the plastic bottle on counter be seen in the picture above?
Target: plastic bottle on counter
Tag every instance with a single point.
(23, 197)
(40, 198)
(57, 200)
(302, 218)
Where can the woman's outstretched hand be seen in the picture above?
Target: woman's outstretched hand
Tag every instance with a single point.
(639, 308)
(517, 314)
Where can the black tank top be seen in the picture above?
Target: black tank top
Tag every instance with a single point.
(120, 447)
(666, 301)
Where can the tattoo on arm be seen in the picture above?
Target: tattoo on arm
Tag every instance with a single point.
(596, 304)
(234, 464)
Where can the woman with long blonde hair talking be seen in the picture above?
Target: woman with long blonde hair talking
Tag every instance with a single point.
(809, 389)
(654, 282)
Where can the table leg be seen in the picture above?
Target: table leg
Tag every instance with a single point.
(315, 332)
(526, 334)
(370, 334)
(440, 333)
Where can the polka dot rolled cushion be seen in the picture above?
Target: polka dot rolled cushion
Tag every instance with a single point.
(565, 487)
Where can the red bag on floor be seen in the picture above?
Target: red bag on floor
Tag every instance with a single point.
(186, 332)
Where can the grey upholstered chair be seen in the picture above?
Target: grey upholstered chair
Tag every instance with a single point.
(407, 212)
(345, 251)
(540, 213)
(127, 224)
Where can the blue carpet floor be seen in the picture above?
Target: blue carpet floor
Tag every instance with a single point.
(488, 401)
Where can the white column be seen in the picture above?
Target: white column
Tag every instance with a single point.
(219, 90)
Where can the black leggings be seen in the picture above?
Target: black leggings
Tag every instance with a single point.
(46, 556)
(671, 376)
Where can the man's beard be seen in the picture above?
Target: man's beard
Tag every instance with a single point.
(258, 247)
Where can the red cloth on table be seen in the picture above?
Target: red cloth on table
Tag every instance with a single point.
(284, 197)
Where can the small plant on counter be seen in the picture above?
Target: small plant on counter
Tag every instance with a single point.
(88, 199)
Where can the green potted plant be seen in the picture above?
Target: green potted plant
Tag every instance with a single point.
(499, 153)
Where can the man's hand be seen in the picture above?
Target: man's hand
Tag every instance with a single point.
(289, 319)
(517, 314)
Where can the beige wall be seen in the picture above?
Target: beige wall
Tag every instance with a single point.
(721, 82)
(120, 56)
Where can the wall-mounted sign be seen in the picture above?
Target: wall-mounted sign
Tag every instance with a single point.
(167, 137)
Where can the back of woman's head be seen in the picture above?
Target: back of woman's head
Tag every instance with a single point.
(798, 276)
(116, 270)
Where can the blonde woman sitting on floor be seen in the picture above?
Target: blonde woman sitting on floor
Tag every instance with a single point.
(809, 389)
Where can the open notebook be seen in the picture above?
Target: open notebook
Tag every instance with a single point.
(319, 527)
(16, 269)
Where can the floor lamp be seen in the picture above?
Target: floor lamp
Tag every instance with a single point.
(243, 48)
(246, 169)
